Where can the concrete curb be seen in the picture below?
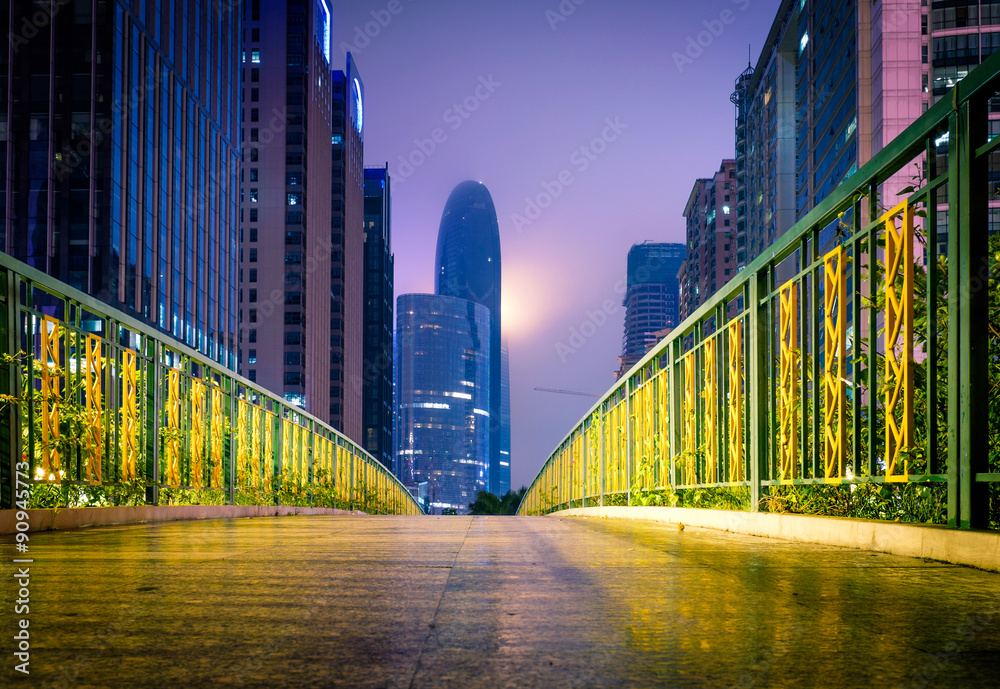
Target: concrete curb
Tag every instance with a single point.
(83, 517)
(980, 549)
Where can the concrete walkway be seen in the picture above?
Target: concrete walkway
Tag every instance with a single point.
(490, 602)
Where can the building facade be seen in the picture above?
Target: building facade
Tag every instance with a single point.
(835, 82)
(379, 272)
(652, 298)
(120, 147)
(443, 432)
(710, 220)
(467, 266)
(286, 252)
(347, 269)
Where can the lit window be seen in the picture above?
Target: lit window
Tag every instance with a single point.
(255, 57)
(252, 357)
(725, 210)
(294, 199)
(336, 139)
(803, 42)
(253, 196)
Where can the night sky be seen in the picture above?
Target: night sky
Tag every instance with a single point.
(611, 107)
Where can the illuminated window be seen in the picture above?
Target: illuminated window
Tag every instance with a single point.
(255, 57)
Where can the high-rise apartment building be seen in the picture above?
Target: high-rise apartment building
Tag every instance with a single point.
(379, 272)
(652, 298)
(443, 429)
(287, 126)
(468, 267)
(119, 140)
(835, 82)
(956, 37)
(710, 216)
(347, 268)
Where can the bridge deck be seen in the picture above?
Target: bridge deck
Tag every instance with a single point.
(493, 602)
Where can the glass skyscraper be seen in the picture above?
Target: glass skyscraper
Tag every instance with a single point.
(652, 298)
(443, 430)
(468, 267)
(119, 139)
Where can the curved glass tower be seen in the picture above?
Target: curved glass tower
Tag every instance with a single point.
(467, 266)
(443, 395)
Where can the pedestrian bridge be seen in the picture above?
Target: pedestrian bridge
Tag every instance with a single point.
(396, 601)
(850, 371)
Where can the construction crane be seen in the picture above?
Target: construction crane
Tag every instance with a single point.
(569, 392)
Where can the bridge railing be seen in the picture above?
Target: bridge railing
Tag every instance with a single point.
(847, 370)
(98, 409)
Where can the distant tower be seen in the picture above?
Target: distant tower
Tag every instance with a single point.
(651, 298)
(468, 267)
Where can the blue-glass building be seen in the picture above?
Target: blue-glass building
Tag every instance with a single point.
(652, 298)
(442, 434)
(119, 157)
(467, 266)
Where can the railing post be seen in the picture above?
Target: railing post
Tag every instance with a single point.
(152, 422)
(756, 372)
(676, 414)
(968, 315)
(602, 451)
(10, 383)
(629, 432)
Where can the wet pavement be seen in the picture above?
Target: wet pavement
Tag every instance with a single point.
(489, 602)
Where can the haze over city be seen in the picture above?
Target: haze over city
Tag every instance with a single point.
(611, 108)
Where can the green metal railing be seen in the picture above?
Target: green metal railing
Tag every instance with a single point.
(99, 409)
(850, 365)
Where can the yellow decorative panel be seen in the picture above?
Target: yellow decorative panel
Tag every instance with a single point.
(129, 416)
(663, 415)
(788, 381)
(172, 446)
(243, 422)
(689, 475)
(267, 450)
(51, 383)
(898, 286)
(735, 441)
(258, 419)
(834, 369)
(218, 417)
(286, 447)
(197, 432)
(711, 414)
(93, 370)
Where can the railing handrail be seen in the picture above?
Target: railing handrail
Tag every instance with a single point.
(130, 322)
(980, 84)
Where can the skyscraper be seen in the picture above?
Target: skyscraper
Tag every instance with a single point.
(468, 267)
(285, 208)
(651, 298)
(711, 257)
(347, 272)
(379, 265)
(119, 143)
(443, 389)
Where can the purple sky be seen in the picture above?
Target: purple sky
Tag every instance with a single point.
(555, 80)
